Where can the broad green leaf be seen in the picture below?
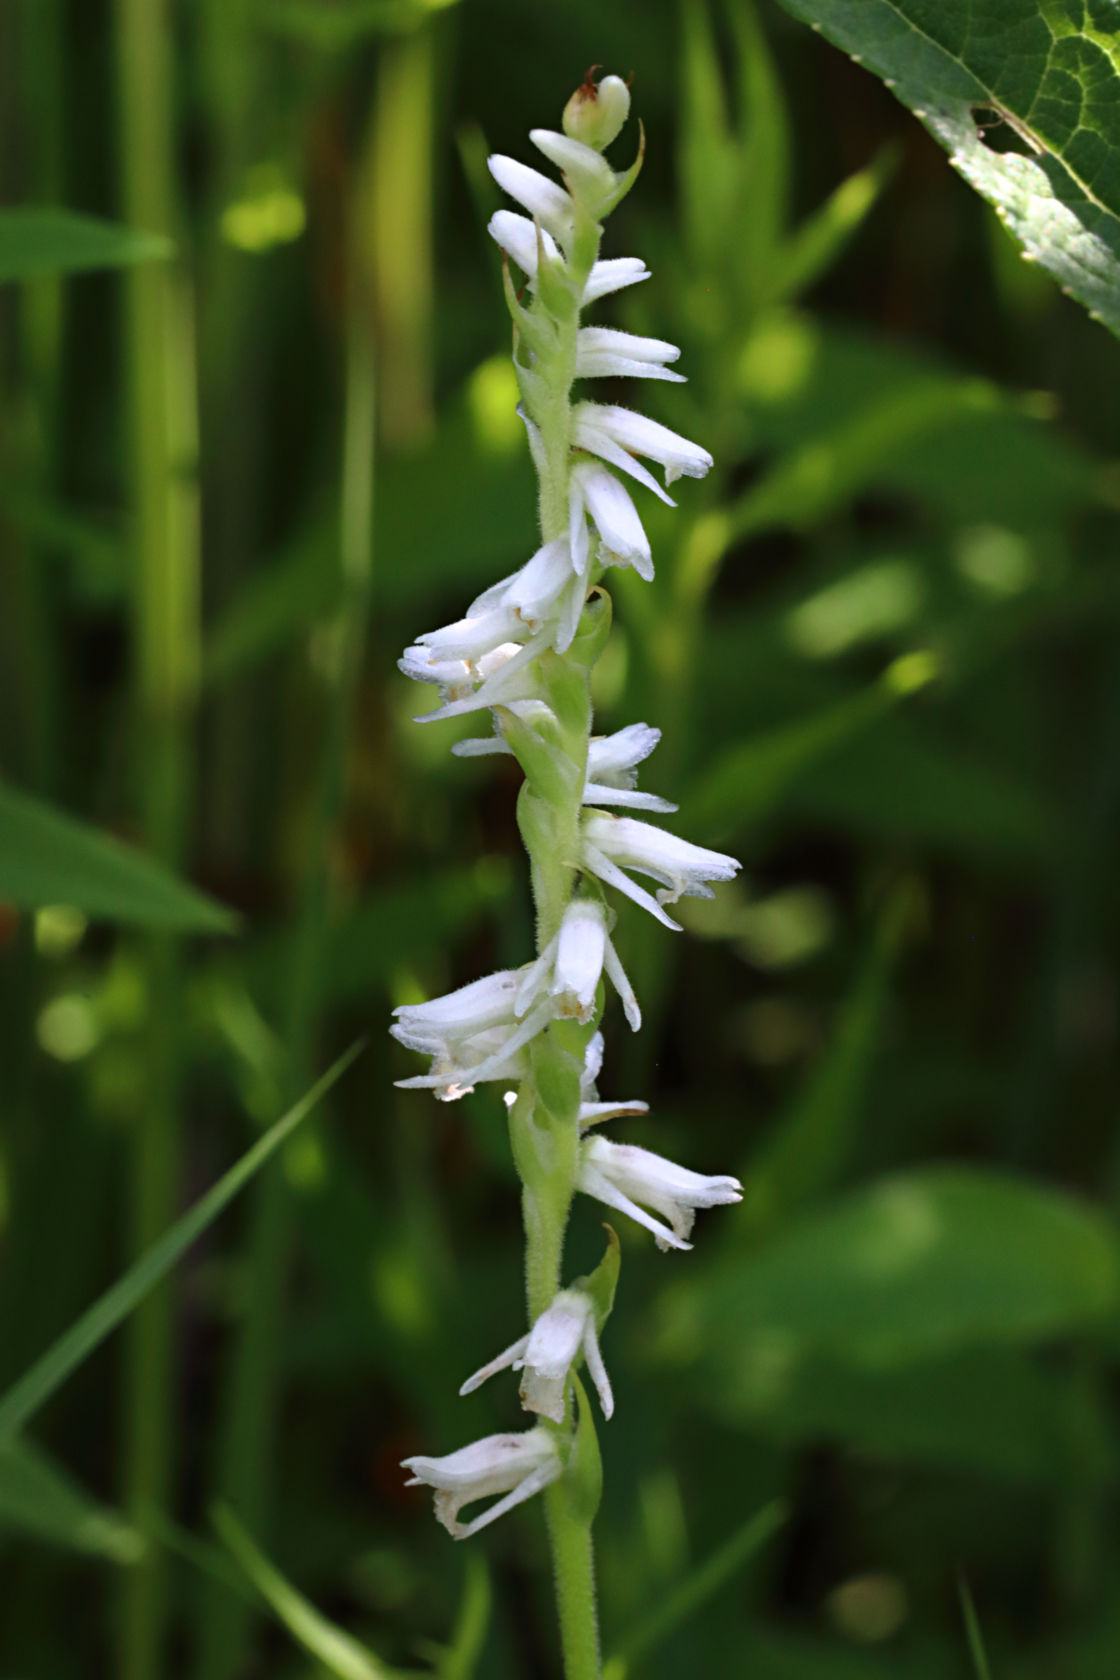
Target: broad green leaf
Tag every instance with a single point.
(47, 857)
(42, 1501)
(41, 241)
(51, 1369)
(691, 1594)
(1050, 70)
(992, 1411)
(337, 1651)
(811, 1144)
(916, 1265)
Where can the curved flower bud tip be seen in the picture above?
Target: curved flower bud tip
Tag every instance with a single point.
(597, 111)
(562, 1334)
(516, 1466)
(631, 1179)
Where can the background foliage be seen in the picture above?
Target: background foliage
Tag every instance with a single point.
(234, 482)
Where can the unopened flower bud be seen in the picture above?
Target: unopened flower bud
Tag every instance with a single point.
(597, 110)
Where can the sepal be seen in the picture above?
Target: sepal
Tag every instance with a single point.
(601, 1284)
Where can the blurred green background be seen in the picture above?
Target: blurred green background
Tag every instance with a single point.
(882, 647)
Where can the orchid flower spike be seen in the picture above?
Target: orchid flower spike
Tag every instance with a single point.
(563, 1333)
(516, 1466)
(626, 1177)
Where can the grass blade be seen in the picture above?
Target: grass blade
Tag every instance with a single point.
(50, 1371)
(972, 1629)
(337, 1651)
(696, 1588)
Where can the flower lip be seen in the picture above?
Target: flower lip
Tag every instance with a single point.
(513, 1465)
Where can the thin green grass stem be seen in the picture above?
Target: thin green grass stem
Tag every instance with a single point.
(247, 1450)
(163, 435)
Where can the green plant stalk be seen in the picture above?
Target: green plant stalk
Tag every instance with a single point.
(247, 1449)
(544, 1120)
(161, 405)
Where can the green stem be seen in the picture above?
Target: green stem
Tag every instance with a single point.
(247, 1450)
(163, 427)
(574, 1568)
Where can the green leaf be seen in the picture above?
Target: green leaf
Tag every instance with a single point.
(38, 241)
(700, 1584)
(916, 1265)
(51, 1369)
(972, 1629)
(1051, 73)
(338, 1652)
(993, 1411)
(817, 244)
(47, 857)
(41, 1500)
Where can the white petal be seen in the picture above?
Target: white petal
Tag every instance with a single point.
(481, 746)
(594, 793)
(608, 340)
(502, 1363)
(623, 987)
(535, 590)
(596, 1370)
(680, 866)
(518, 238)
(592, 1064)
(542, 198)
(592, 1113)
(533, 1483)
(588, 171)
(580, 951)
(612, 275)
(643, 436)
(468, 1009)
(472, 638)
(603, 364)
(613, 876)
(594, 1183)
(610, 755)
(587, 435)
(622, 539)
(534, 979)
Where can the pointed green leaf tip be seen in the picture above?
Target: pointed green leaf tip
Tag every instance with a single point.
(603, 1281)
(47, 857)
(1051, 74)
(41, 241)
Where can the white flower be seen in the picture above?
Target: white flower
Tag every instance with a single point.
(589, 175)
(618, 434)
(572, 962)
(622, 1176)
(613, 844)
(612, 774)
(535, 608)
(603, 352)
(622, 540)
(543, 199)
(591, 1110)
(505, 675)
(473, 1034)
(564, 1330)
(518, 238)
(517, 1466)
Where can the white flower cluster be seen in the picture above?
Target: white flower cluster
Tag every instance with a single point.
(490, 660)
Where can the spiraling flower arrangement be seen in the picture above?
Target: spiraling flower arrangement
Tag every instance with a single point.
(524, 653)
